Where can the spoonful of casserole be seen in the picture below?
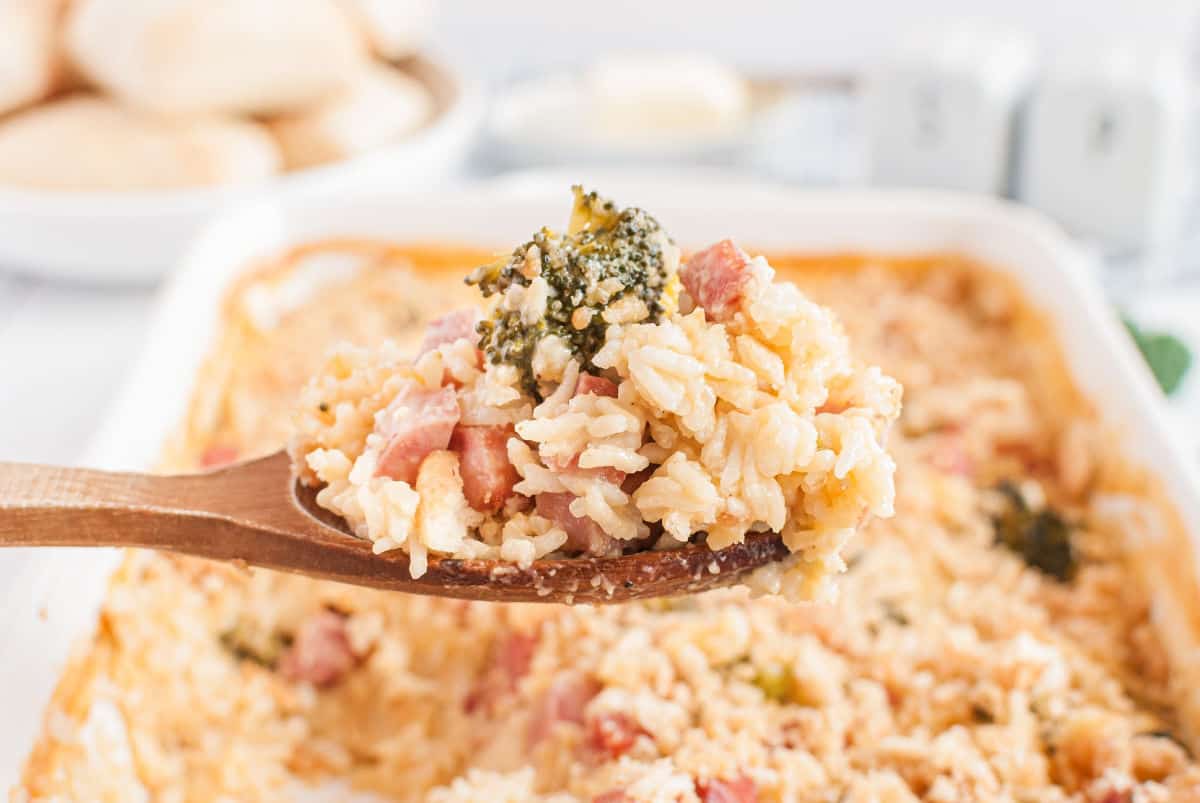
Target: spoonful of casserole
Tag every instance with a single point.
(611, 426)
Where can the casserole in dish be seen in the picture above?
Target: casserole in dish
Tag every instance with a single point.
(1024, 629)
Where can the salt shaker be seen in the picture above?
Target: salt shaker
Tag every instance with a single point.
(1105, 147)
(941, 109)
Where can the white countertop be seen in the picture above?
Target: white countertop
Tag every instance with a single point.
(65, 351)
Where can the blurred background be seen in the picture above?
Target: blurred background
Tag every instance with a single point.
(126, 125)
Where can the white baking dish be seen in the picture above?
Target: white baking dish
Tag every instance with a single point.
(136, 236)
(69, 584)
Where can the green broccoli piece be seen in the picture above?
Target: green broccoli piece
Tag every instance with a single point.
(607, 256)
(1041, 538)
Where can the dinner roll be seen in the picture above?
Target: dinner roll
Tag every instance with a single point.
(90, 143)
(29, 53)
(381, 106)
(394, 28)
(215, 56)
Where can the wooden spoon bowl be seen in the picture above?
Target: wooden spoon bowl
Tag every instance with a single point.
(256, 513)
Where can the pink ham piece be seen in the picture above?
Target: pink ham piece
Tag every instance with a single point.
(488, 478)
(611, 734)
(514, 655)
(320, 653)
(612, 796)
(216, 456)
(417, 422)
(738, 790)
(589, 383)
(564, 701)
(583, 535)
(508, 661)
(715, 278)
(450, 327)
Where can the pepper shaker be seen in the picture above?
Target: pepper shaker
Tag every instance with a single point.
(941, 109)
(1106, 148)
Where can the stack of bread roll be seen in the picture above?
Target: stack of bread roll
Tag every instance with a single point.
(154, 94)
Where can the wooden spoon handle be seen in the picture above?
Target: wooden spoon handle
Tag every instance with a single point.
(245, 513)
(57, 506)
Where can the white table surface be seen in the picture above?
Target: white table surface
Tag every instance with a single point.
(66, 349)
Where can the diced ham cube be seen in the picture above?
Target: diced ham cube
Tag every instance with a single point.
(320, 653)
(715, 278)
(583, 535)
(215, 456)
(488, 478)
(450, 327)
(417, 422)
(564, 701)
(738, 790)
(612, 796)
(514, 655)
(611, 734)
(508, 661)
(589, 383)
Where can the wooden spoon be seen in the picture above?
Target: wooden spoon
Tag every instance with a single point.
(256, 513)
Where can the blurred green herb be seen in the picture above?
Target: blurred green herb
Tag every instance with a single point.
(247, 643)
(776, 683)
(1167, 356)
(780, 684)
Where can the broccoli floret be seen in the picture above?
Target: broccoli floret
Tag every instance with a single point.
(608, 256)
(1041, 537)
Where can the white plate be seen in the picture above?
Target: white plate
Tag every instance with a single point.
(69, 585)
(128, 237)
